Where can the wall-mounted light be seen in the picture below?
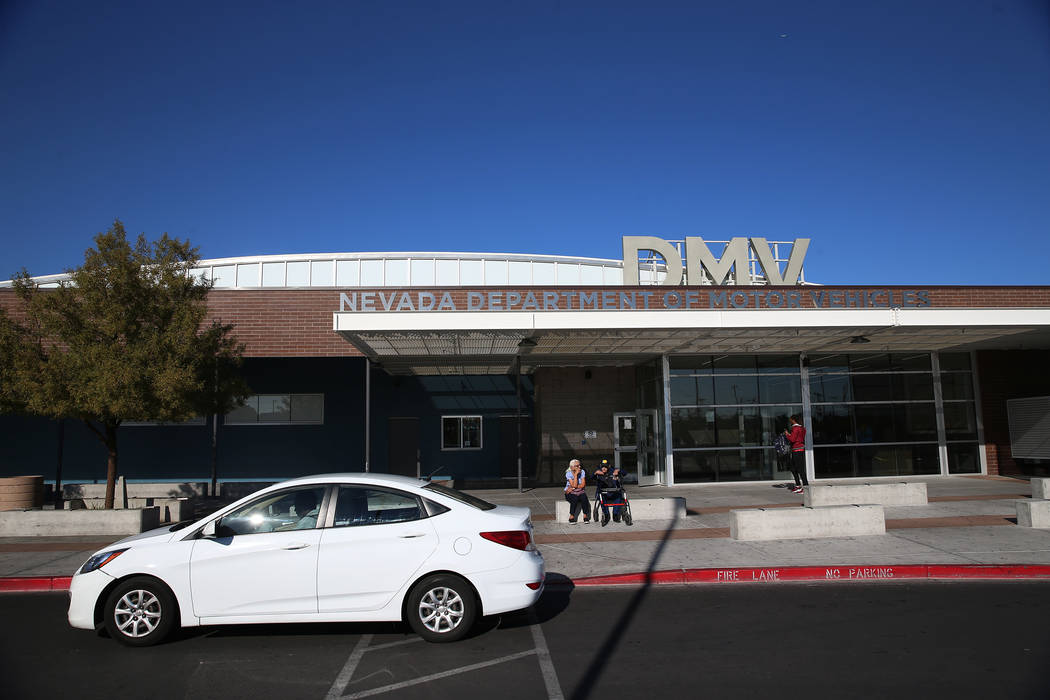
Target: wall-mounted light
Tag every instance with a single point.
(858, 340)
(527, 343)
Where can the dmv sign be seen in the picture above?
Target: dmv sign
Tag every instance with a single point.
(700, 261)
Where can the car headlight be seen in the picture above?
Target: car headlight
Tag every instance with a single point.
(99, 560)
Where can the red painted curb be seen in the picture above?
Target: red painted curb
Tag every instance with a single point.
(34, 584)
(823, 573)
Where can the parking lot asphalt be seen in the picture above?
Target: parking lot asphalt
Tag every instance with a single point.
(968, 528)
(929, 639)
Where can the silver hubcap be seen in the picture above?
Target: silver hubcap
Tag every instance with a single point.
(137, 613)
(441, 610)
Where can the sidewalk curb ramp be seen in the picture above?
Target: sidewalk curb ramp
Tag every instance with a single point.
(892, 572)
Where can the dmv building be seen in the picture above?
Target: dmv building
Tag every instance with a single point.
(679, 362)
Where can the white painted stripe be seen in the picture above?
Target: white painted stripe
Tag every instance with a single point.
(410, 640)
(437, 676)
(343, 679)
(543, 655)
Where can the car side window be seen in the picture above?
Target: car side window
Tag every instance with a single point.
(360, 505)
(294, 509)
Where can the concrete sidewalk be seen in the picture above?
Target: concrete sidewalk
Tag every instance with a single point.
(969, 521)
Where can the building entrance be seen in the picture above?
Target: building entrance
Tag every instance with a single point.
(636, 445)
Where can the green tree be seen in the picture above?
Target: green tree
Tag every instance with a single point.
(125, 337)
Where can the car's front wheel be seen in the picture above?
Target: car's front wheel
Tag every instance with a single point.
(140, 611)
(441, 608)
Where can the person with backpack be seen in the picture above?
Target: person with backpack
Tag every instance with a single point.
(796, 437)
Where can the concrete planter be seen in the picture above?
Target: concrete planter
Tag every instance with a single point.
(78, 522)
(20, 492)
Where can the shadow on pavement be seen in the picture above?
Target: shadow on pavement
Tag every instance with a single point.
(555, 599)
(617, 631)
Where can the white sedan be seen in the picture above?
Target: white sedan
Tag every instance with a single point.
(328, 548)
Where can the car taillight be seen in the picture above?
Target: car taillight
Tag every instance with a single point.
(516, 539)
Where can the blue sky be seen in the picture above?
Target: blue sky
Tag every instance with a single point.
(909, 139)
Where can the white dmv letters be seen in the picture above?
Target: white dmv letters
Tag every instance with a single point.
(699, 259)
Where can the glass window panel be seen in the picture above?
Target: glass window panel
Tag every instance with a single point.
(520, 272)
(422, 273)
(543, 273)
(307, 408)
(829, 363)
(348, 273)
(830, 388)
(274, 408)
(877, 460)
(447, 273)
(960, 423)
(874, 423)
(690, 364)
(777, 363)
(691, 427)
(396, 273)
(692, 391)
(955, 361)
(295, 509)
(917, 459)
(736, 389)
(695, 467)
(915, 421)
(248, 275)
(471, 273)
(298, 274)
(371, 273)
(912, 387)
(683, 391)
(449, 433)
(832, 462)
(911, 361)
(495, 272)
(590, 274)
(779, 388)
(738, 426)
(869, 363)
(872, 387)
(964, 458)
(273, 274)
(775, 420)
(568, 273)
(734, 364)
(322, 273)
(246, 413)
(472, 433)
(832, 424)
(956, 385)
(224, 275)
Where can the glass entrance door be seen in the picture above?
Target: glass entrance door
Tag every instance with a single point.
(637, 446)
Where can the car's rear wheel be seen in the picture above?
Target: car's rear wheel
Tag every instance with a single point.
(441, 608)
(140, 612)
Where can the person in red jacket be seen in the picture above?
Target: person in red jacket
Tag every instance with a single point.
(796, 435)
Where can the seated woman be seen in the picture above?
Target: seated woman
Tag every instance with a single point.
(610, 489)
(575, 492)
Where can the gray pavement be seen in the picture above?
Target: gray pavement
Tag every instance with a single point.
(969, 520)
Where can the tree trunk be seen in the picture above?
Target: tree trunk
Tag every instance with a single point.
(111, 464)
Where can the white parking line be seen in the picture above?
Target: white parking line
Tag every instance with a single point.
(542, 652)
(343, 679)
(436, 676)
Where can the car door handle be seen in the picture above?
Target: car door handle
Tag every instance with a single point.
(412, 534)
(297, 545)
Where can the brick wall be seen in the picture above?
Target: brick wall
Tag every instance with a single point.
(568, 403)
(1003, 375)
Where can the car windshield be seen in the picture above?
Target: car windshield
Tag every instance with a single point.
(459, 496)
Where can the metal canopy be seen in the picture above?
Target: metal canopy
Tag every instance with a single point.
(457, 351)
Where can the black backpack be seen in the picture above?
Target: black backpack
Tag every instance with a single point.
(781, 445)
